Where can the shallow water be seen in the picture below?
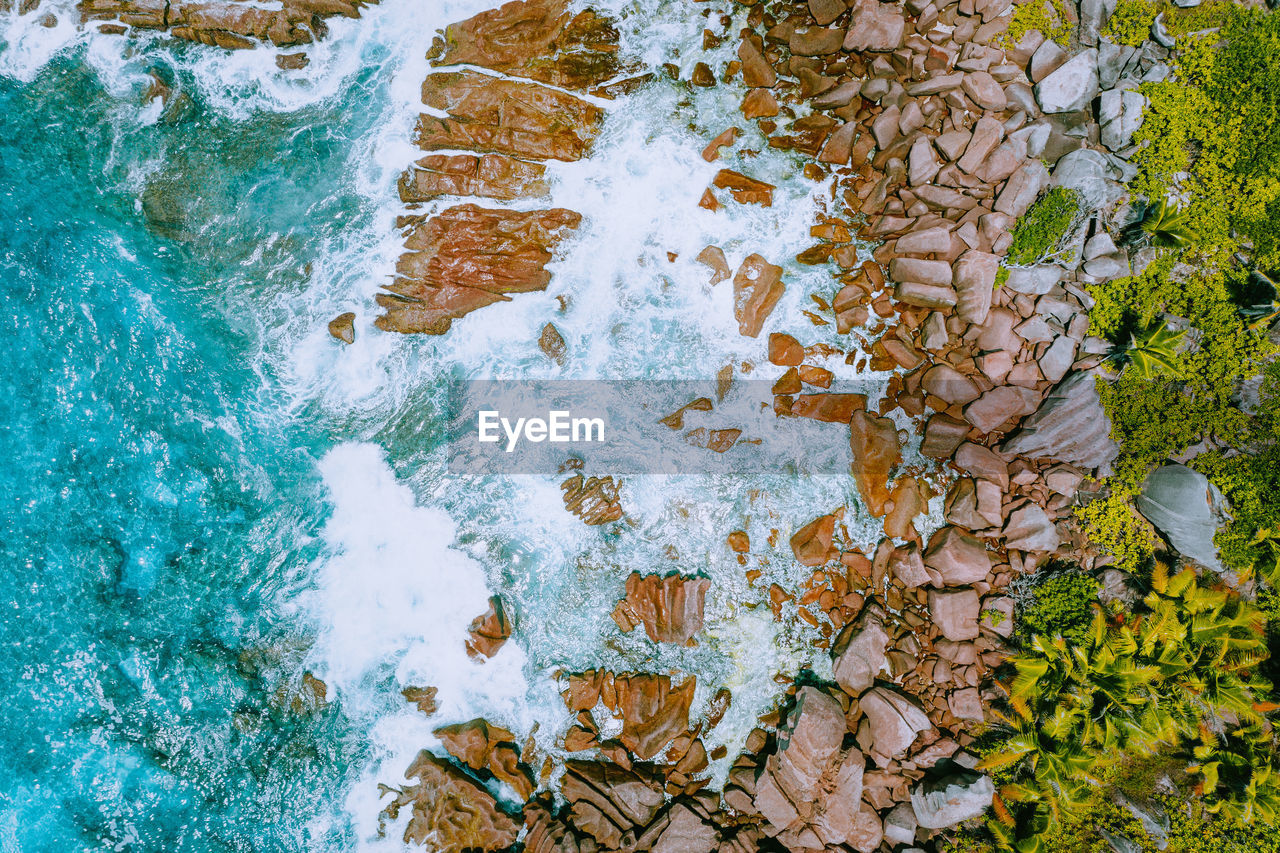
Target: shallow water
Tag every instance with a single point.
(206, 496)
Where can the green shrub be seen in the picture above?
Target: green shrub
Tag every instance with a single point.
(1194, 831)
(1061, 605)
(1050, 17)
(1039, 231)
(1130, 23)
(1213, 132)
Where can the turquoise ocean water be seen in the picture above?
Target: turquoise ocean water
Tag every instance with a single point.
(155, 501)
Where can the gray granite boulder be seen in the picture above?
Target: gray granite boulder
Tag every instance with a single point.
(1187, 509)
(951, 799)
(1070, 426)
(1088, 173)
(1072, 86)
(1119, 117)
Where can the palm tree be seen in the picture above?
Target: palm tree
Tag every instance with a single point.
(1163, 225)
(1150, 352)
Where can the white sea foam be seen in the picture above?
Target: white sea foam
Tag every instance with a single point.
(27, 43)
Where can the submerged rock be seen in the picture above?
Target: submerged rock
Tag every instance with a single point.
(595, 500)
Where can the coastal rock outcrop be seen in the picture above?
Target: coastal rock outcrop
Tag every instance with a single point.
(468, 257)
(449, 809)
(670, 608)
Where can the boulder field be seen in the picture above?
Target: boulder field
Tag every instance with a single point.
(937, 135)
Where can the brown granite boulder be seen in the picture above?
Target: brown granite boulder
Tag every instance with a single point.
(343, 327)
(858, 655)
(757, 287)
(670, 608)
(538, 39)
(488, 631)
(809, 789)
(955, 612)
(957, 556)
(812, 543)
(894, 721)
(876, 452)
(467, 257)
(875, 26)
(449, 810)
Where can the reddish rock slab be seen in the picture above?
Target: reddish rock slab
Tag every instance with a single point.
(875, 26)
(895, 721)
(670, 608)
(808, 790)
(537, 39)
(231, 25)
(489, 114)
(467, 257)
(482, 746)
(487, 175)
(785, 350)
(830, 408)
(757, 287)
(744, 189)
(449, 810)
(653, 712)
(876, 452)
(606, 801)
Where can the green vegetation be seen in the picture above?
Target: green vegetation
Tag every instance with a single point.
(1151, 353)
(1163, 225)
(1061, 605)
(1213, 135)
(1176, 680)
(1040, 231)
(1131, 22)
(1169, 704)
(1050, 17)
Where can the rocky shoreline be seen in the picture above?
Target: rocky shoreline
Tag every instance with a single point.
(937, 136)
(938, 139)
